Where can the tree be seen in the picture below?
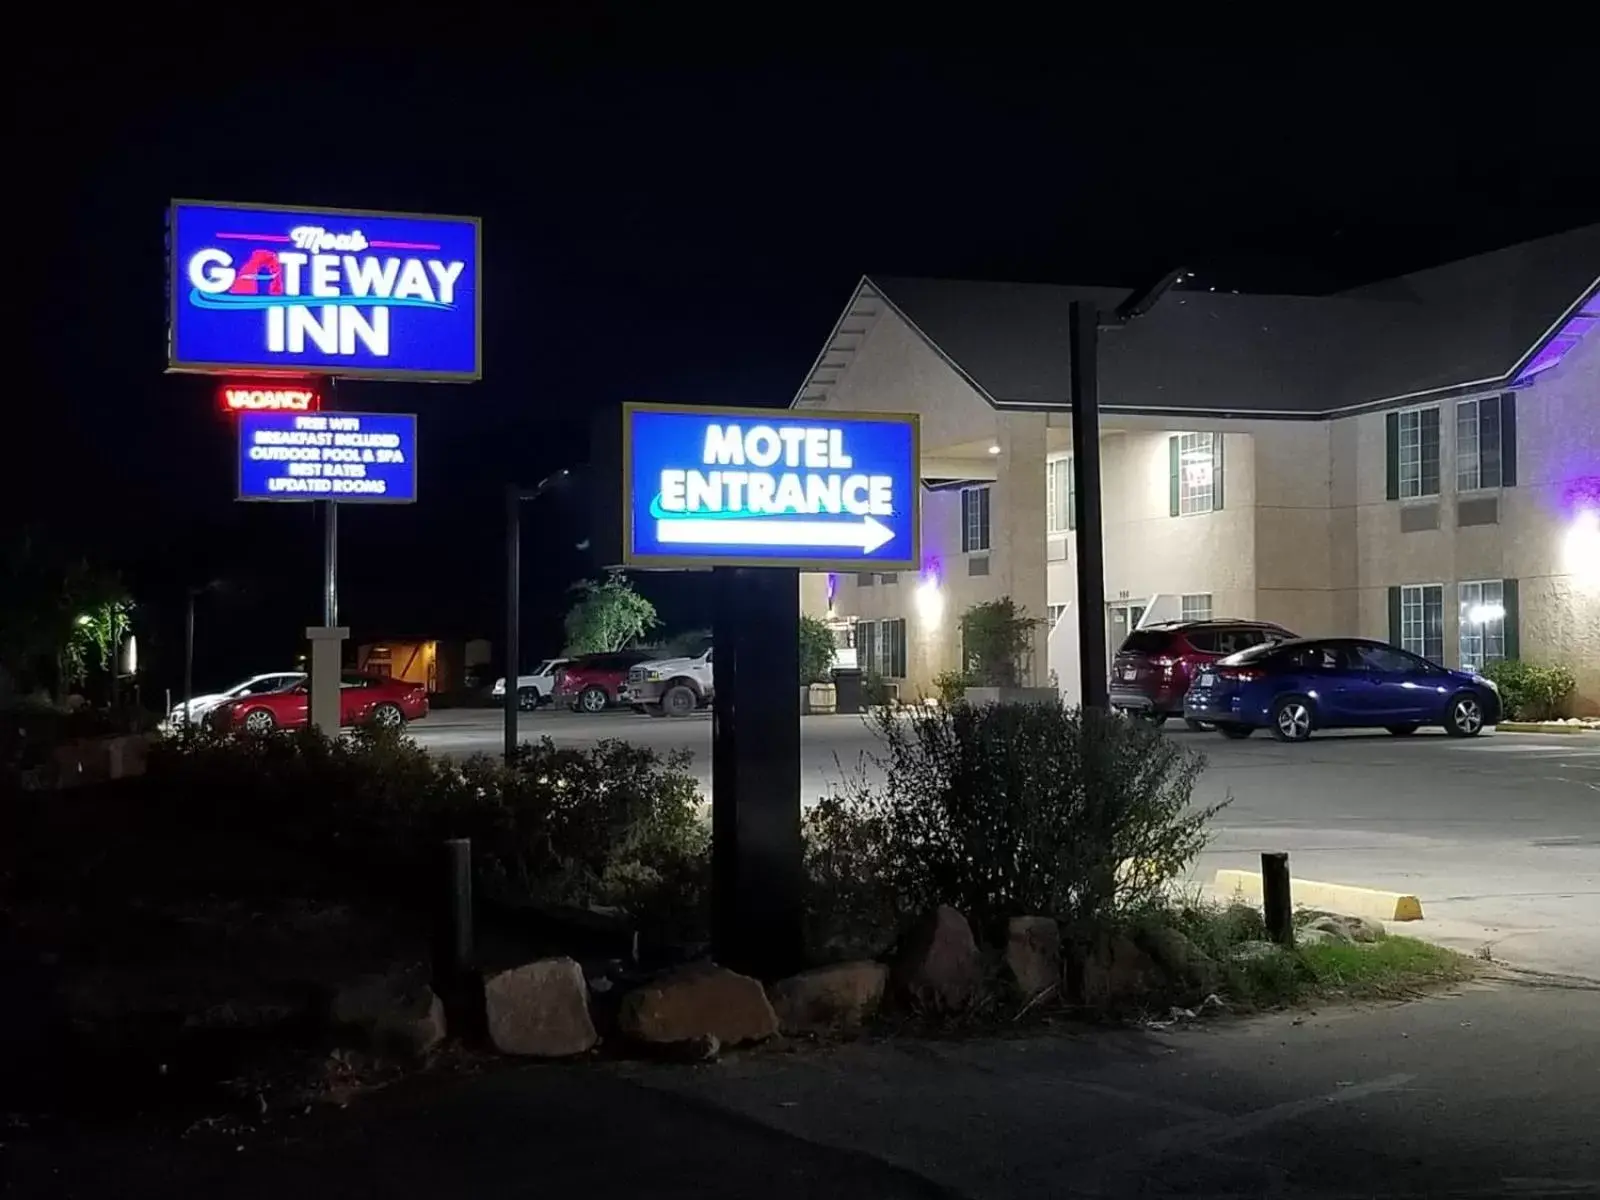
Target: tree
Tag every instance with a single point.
(57, 615)
(608, 615)
(997, 642)
(816, 650)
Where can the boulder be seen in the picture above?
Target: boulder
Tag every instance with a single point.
(700, 1001)
(1033, 953)
(1349, 929)
(540, 1010)
(842, 996)
(1317, 936)
(392, 1013)
(1116, 971)
(938, 968)
(1180, 959)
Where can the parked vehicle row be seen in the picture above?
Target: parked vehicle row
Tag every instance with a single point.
(1240, 676)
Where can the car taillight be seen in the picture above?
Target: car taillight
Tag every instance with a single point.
(1241, 674)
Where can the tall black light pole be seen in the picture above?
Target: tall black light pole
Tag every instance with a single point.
(188, 652)
(513, 667)
(1085, 324)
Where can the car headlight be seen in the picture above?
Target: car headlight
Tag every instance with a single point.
(653, 676)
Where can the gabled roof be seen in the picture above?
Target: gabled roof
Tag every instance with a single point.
(1480, 323)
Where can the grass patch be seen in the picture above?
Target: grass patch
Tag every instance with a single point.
(1388, 966)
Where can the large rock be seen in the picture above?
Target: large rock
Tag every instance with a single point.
(1349, 929)
(938, 968)
(392, 1013)
(842, 996)
(1115, 972)
(1033, 953)
(540, 1010)
(700, 1001)
(1180, 959)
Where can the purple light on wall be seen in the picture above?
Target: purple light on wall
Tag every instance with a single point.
(833, 588)
(930, 571)
(1565, 338)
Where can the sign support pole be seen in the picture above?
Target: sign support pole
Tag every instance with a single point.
(330, 563)
(513, 655)
(757, 903)
(1084, 331)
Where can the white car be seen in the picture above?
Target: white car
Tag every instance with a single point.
(673, 687)
(535, 689)
(256, 685)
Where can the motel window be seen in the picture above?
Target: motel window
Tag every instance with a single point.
(1060, 515)
(1478, 444)
(867, 646)
(892, 648)
(1197, 606)
(1195, 483)
(1420, 618)
(1053, 613)
(1412, 439)
(1488, 630)
(974, 520)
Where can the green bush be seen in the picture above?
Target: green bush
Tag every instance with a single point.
(1531, 692)
(816, 651)
(1005, 810)
(612, 825)
(997, 642)
(951, 686)
(876, 691)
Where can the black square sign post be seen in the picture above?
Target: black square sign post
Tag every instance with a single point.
(757, 496)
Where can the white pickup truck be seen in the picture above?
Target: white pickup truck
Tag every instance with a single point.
(672, 687)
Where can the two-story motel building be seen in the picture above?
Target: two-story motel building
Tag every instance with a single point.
(1416, 460)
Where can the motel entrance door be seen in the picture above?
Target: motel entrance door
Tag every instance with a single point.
(1122, 618)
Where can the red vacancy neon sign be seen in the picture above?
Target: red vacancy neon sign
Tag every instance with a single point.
(264, 397)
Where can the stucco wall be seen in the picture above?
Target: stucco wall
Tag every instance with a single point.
(1558, 465)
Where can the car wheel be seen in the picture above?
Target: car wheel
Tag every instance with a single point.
(680, 701)
(527, 699)
(1197, 726)
(1235, 731)
(1292, 719)
(388, 716)
(260, 721)
(1402, 730)
(654, 710)
(593, 699)
(1465, 718)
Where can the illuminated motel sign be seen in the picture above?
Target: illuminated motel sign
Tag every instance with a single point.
(268, 397)
(323, 292)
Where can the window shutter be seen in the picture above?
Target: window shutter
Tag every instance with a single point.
(1391, 454)
(1173, 457)
(1217, 472)
(1508, 440)
(1072, 493)
(966, 519)
(1513, 621)
(1394, 616)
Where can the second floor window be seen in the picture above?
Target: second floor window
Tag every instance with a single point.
(1413, 452)
(1060, 516)
(974, 519)
(1196, 473)
(1478, 444)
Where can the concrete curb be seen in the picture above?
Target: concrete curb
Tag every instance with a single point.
(1335, 897)
(1541, 727)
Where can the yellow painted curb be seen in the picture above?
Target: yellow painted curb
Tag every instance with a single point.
(1539, 727)
(1340, 898)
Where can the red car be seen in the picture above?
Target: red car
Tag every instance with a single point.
(363, 700)
(1154, 665)
(595, 682)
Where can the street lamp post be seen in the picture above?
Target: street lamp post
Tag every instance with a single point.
(514, 499)
(1083, 330)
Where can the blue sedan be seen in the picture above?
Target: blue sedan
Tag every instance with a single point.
(1297, 686)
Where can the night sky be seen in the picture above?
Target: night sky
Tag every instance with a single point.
(682, 230)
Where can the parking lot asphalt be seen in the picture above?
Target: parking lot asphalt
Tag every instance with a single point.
(1498, 835)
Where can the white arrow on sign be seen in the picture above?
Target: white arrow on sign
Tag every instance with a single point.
(865, 535)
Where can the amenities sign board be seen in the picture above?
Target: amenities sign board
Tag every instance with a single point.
(323, 292)
(368, 458)
(707, 487)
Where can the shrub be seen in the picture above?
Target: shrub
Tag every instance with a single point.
(951, 686)
(876, 691)
(1531, 692)
(1004, 810)
(997, 642)
(610, 825)
(816, 651)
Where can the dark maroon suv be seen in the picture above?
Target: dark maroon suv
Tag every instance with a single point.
(1153, 666)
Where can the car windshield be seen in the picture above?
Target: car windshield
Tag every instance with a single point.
(1253, 654)
(1144, 641)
